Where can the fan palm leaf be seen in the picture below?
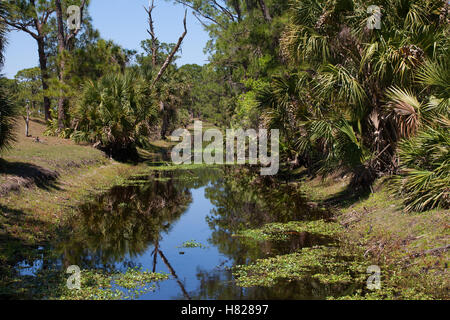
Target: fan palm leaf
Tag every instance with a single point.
(406, 109)
(424, 182)
(8, 110)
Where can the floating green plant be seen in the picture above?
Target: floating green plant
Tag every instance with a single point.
(192, 244)
(283, 231)
(101, 285)
(325, 264)
(135, 278)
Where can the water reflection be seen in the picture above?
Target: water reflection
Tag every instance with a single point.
(220, 286)
(144, 222)
(124, 223)
(244, 200)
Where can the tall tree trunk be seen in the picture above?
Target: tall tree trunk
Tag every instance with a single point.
(27, 122)
(171, 54)
(44, 76)
(61, 102)
(61, 49)
(237, 7)
(165, 120)
(165, 65)
(265, 11)
(65, 43)
(250, 5)
(151, 32)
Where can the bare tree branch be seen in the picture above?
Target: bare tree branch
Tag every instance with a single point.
(200, 13)
(21, 27)
(199, 20)
(224, 10)
(172, 53)
(265, 11)
(151, 32)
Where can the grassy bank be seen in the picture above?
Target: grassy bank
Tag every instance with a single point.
(411, 249)
(41, 183)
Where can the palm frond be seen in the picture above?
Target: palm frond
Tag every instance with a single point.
(436, 74)
(406, 109)
(424, 182)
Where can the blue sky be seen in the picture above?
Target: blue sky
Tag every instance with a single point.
(125, 22)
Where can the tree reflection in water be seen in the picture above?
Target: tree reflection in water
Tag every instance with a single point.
(124, 222)
(244, 201)
(131, 221)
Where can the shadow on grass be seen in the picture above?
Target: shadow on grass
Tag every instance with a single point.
(339, 200)
(26, 175)
(158, 149)
(346, 197)
(39, 120)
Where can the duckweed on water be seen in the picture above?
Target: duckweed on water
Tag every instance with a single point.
(192, 244)
(95, 285)
(331, 267)
(135, 278)
(325, 264)
(282, 231)
(99, 285)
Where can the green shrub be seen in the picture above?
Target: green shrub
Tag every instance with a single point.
(115, 113)
(424, 180)
(7, 120)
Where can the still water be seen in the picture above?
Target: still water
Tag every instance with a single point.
(146, 222)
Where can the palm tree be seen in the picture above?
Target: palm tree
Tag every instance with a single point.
(424, 178)
(424, 181)
(115, 114)
(7, 109)
(347, 106)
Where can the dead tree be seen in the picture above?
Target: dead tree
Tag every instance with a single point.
(167, 62)
(152, 34)
(171, 55)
